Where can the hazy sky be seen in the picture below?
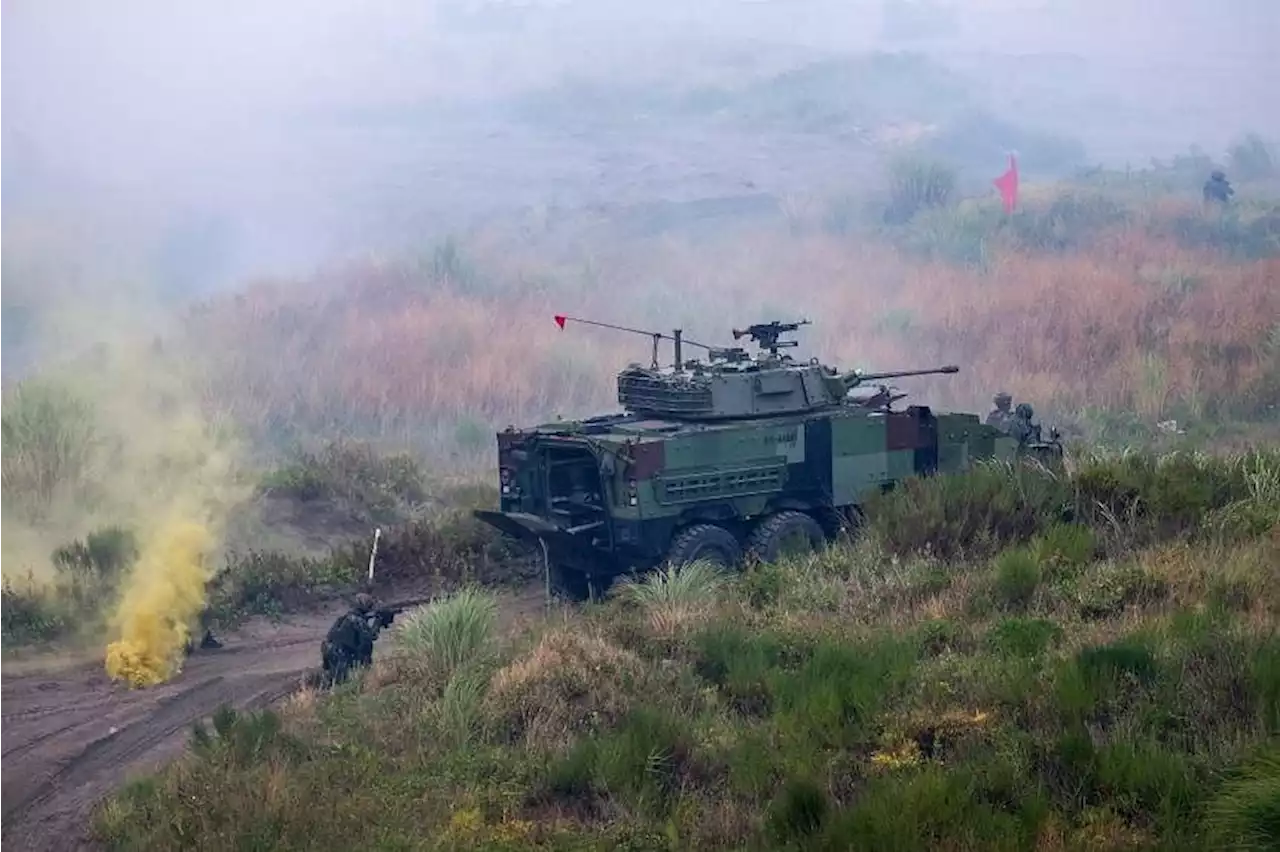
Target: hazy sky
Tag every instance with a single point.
(183, 109)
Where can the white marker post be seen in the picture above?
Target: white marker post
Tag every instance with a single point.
(373, 552)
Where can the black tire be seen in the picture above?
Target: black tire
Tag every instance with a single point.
(705, 542)
(772, 535)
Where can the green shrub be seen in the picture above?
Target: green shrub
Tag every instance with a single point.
(830, 699)
(798, 811)
(640, 763)
(245, 740)
(31, 614)
(739, 662)
(90, 571)
(916, 184)
(933, 808)
(1104, 664)
(1144, 777)
(460, 704)
(1264, 682)
(1023, 637)
(374, 486)
(762, 582)
(1101, 674)
(271, 582)
(1245, 812)
(454, 547)
(1017, 576)
(939, 636)
(971, 514)
(1063, 549)
(1109, 589)
(1114, 503)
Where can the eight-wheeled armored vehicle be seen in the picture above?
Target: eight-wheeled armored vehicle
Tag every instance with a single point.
(730, 457)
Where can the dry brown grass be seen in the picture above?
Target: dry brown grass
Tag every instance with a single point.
(570, 682)
(1135, 323)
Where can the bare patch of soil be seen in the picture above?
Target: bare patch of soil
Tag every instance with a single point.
(72, 736)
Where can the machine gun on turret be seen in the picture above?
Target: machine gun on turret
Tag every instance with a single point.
(766, 334)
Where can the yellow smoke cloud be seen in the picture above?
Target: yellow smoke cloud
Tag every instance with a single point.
(127, 436)
(165, 594)
(184, 487)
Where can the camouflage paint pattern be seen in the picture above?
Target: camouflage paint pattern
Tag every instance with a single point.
(728, 443)
(656, 477)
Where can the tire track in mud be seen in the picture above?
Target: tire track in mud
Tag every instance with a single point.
(72, 736)
(117, 745)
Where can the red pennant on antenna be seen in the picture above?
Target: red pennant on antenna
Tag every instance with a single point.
(1007, 183)
(560, 318)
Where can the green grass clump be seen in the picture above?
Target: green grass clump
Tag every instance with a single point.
(449, 633)
(1017, 576)
(1245, 813)
(673, 596)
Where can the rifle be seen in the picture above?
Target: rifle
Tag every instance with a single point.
(385, 616)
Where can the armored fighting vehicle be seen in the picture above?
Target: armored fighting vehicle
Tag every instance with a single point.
(734, 456)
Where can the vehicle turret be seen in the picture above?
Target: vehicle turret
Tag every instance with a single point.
(731, 383)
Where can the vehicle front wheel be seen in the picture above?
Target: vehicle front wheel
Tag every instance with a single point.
(706, 543)
(787, 533)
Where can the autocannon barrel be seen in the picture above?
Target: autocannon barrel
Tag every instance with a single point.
(855, 378)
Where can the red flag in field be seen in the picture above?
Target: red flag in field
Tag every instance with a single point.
(560, 320)
(1007, 183)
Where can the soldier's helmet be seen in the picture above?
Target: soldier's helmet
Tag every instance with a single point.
(1002, 399)
(1217, 174)
(363, 602)
(1024, 411)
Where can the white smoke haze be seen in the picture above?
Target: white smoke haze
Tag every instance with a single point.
(200, 145)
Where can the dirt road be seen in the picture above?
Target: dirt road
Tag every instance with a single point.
(71, 735)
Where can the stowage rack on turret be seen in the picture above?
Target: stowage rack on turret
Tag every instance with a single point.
(733, 384)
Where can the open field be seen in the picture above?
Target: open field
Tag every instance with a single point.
(1112, 681)
(1002, 662)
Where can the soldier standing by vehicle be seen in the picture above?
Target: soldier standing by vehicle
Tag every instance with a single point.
(1217, 189)
(1001, 415)
(1022, 426)
(349, 642)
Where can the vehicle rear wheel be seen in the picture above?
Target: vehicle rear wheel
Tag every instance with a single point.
(786, 533)
(705, 542)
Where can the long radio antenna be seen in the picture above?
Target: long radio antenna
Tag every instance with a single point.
(656, 336)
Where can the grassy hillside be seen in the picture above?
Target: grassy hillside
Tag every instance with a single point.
(1004, 660)
(1111, 316)
(369, 394)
